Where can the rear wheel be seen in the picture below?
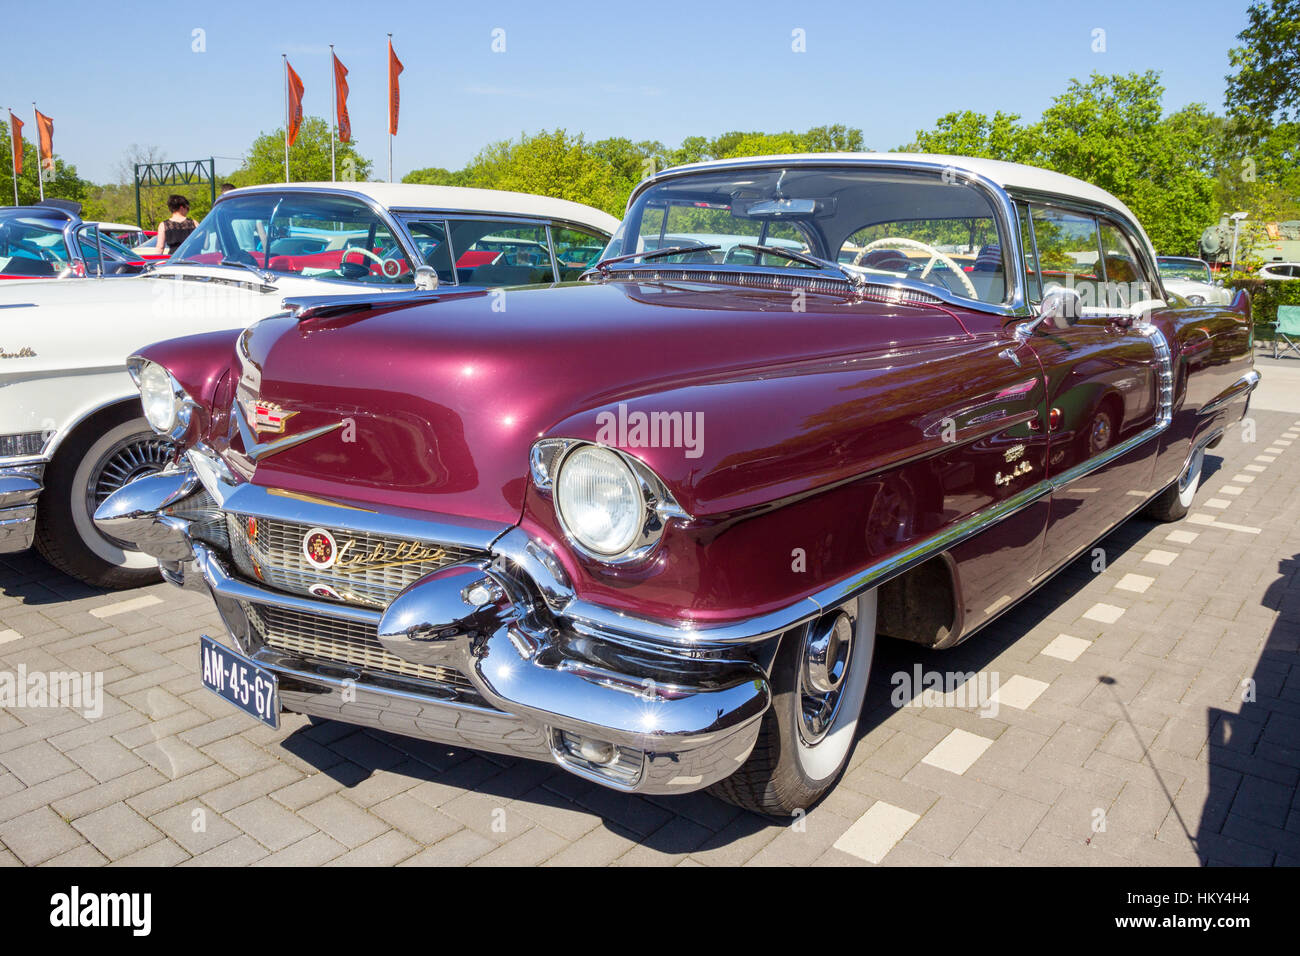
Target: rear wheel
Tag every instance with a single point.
(1175, 501)
(819, 681)
(101, 456)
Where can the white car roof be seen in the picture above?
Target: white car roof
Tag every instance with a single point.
(461, 199)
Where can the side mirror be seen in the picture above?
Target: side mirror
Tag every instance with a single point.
(1060, 308)
(426, 278)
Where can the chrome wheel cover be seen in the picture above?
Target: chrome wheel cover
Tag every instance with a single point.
(122, 463)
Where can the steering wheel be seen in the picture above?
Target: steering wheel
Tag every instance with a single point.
(365, 252)
(935, 256)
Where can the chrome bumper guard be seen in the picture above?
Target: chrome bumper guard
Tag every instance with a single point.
(541, 688)
(20, 486)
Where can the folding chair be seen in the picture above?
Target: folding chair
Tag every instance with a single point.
(1287, 330)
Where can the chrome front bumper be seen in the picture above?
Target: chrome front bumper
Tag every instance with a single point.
(537, 687)
(20, 486)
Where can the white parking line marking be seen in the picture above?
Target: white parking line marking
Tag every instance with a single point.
(1272, 451)
(1066, 648)
(1211, 522)
(1137, 583)
(1019, 692)
(9, 635)
(1244, 479)
(1231, 490)
(1105, 613)
(877, 831)
(1219, 503)
(1255, 468)
(956, 752)
(1182, 537)
(121, 607)
(1163, 558)
(1267, 459)
(1285, 442)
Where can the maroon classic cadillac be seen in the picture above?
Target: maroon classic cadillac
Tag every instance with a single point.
(649, 525)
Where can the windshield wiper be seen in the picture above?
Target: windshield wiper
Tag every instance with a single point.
(264, 276)
(649, 254)
(856, 279)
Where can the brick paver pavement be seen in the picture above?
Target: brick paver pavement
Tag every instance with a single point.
(1148, 713)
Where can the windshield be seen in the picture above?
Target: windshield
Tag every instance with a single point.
(895, 225)
(1192, 269)
(320, 236)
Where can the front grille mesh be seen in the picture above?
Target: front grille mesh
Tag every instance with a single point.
(274, 555)
(332, 640)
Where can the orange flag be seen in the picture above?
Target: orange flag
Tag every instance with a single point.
(341, 100)
(16, 134)
(295, 103)
(45, 126)
(394, 95)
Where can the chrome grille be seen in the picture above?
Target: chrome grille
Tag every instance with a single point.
(331, 640)
(274, 555)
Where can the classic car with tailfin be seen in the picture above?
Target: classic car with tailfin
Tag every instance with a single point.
(650, 525)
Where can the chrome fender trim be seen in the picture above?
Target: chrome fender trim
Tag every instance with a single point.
(1238, 389)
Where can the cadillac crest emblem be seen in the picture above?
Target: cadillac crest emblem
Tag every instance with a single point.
(319, 548)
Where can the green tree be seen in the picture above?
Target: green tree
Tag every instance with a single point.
(1267, 64)
(437, 176)
(65, 184)
(309, 157)
(967, 133)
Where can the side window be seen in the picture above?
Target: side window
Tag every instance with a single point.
(1126, 282)
(1069, 253)
(1033, 283)
(575, 250)
(430, 237)
(499, 253)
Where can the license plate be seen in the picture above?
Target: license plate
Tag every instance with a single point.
(234, 678)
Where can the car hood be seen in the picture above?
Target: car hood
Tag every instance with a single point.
(435, 406)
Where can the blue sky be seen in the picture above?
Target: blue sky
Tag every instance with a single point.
(656, 71)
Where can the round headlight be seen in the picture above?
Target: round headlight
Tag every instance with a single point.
(158, 397)
(1196, 299)
(599, 500)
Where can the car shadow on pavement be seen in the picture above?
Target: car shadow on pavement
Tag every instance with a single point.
(26, 577)
(1252, 813)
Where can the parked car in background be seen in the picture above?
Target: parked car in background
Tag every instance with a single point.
(127, 235)
(648, 527)
(1279, 270)
(71, 430)
(1193, 280)
(50, 241)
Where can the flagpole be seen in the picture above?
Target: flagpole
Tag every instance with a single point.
(285, 57)
(390, 107)
(13, 156)
(334, 114)
(40, 160)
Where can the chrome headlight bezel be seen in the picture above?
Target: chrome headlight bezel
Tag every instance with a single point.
(547, 459)
(181, 405)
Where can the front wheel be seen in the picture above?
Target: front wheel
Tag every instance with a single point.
(819, 681)
(101, 456)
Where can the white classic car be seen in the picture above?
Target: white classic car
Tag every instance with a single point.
(1193, 280)
(71, 429)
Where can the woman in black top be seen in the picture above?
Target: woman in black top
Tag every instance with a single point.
(176, 229)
